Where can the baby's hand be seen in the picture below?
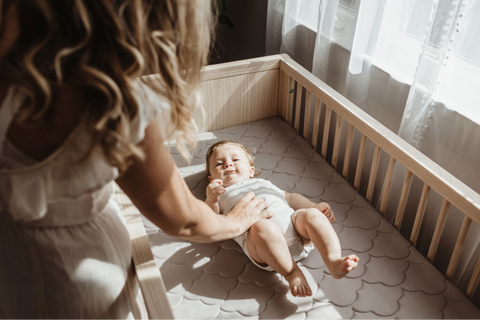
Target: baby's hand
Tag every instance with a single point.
(326, 210)
(214, 189)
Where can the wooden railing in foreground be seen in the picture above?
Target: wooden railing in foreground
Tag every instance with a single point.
(453, 191)
(147, 273)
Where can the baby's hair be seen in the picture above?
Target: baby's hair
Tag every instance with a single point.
(250, 153)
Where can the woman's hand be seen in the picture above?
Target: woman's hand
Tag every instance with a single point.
(247, 211)
(326, 210)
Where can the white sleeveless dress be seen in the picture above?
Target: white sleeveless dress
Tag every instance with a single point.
(65, 251)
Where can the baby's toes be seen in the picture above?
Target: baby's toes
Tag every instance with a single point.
(299, 291)
(353, 257)
(309, 292)
(304, 291)
(294, 291)
(352, 263)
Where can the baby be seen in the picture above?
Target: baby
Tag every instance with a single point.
(297, 225)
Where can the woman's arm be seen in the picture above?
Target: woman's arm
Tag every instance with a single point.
(297, 201)
(156, 188)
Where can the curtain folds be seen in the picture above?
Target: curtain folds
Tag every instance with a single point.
(415, 67)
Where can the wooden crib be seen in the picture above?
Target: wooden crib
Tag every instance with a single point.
(246, 91)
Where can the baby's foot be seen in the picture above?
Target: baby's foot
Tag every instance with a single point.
(341, 267)
(298, 284)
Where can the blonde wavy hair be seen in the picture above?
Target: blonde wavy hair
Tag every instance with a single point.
(102, 47)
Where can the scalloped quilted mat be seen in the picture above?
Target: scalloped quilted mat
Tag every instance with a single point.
(217, 281)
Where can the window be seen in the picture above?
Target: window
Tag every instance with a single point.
(345, 22)
(414, 23)
(344, 30)
(392, 35)
(452, 52)
(309, 14)
(350, 5)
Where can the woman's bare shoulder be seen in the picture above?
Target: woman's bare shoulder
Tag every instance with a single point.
(41, 140)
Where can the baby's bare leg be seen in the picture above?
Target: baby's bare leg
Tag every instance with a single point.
(312, 225)
(267, 245)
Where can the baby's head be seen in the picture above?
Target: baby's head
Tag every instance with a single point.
(229, 161)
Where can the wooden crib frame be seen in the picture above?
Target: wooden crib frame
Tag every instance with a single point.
(245, 91)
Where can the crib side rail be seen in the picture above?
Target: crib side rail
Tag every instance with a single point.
(232, 93)
(239, 92)
(147, 273)
(294, 106)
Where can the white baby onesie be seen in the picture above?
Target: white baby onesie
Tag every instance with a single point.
(282, 214)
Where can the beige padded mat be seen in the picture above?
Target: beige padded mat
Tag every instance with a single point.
(217, 280)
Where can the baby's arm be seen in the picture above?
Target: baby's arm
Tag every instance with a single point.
(214, 189)
(297, 201)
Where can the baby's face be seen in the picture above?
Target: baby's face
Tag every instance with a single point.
(231, 164)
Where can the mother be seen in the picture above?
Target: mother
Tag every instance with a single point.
(74, 117)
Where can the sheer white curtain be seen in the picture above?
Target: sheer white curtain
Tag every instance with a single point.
(414, 66)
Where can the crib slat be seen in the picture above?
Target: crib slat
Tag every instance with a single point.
(326, 130)
(387, 186)
(281, 93)
(287, 96)
(306, 117)
(457, 252)
(361, 159)
(437, 234)
(291, 90)
(348, 151)
(298, 106)
(316, 123)
(284, 94)
(336, 143)
(472, 286)
(403, 199)
(373, 173)
(147, 273)
(420, 213)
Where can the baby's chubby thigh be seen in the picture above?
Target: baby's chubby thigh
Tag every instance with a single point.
(304, 218)
(264, 237)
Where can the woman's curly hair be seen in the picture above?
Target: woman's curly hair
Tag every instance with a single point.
(102, 47)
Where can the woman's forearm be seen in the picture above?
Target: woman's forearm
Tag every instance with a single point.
(208, 226)
(213, 205)
(178, 213)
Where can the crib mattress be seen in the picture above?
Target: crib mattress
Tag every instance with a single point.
(217, 280)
